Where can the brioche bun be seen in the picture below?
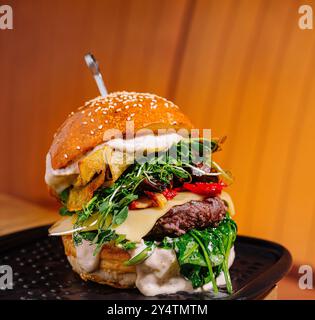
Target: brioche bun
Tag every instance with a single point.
(85, 128)
(111, 270)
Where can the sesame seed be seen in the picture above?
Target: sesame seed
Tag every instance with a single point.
(106, 121)
(89, 114)
(66, 156)
(84, 122)
(119, 109)
(78, 147)
(92, 132)
(100, 127)
(92, 120)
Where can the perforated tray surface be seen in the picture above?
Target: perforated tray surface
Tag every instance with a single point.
(41, 271)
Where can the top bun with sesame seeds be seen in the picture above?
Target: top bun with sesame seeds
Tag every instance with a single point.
(85, 129)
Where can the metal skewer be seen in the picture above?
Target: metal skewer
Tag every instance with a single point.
(93, 66)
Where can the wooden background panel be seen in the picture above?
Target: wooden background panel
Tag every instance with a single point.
(252, 87)
(44, 77)
(240, 67)
(299, 213)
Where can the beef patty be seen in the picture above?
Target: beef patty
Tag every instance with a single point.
(191, 215)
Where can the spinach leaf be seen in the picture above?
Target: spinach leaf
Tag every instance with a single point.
(188, 252)
(203, 254)
(206, 256)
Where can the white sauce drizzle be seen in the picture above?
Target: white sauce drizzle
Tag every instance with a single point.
(147, 142)
(87, 261)
(160, 274)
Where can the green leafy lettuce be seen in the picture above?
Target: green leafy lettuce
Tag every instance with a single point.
(111, 203)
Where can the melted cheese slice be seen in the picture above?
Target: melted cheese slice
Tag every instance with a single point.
(140, 222)
(135, 227)
(66, 225)
(227, 198)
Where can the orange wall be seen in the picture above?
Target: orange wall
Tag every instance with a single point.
(240, 67)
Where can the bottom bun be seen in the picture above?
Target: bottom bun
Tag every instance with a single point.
(111, 270)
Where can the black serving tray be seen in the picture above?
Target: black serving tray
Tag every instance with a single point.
(41, 271)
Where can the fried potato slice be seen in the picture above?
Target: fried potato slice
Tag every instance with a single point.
(90, 166)
(79, 196)
(105, 158)
(118, 162)
(104, 162)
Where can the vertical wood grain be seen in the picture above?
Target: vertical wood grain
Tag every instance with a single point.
(255, 86)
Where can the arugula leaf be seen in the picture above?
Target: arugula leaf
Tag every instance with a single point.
(142, 255)
(128, 245)
(77, 239)
(112, 202)
(103, 237)
(121, 216)
(121, 238)
(63, 211)
(64, 195)
(87, 235)
(102, 208)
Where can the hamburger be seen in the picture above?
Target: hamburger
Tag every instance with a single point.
(143, 203)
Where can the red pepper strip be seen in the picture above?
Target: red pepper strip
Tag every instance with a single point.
(133, 205)
(149, 194)
(204, 188)
(169, 194)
